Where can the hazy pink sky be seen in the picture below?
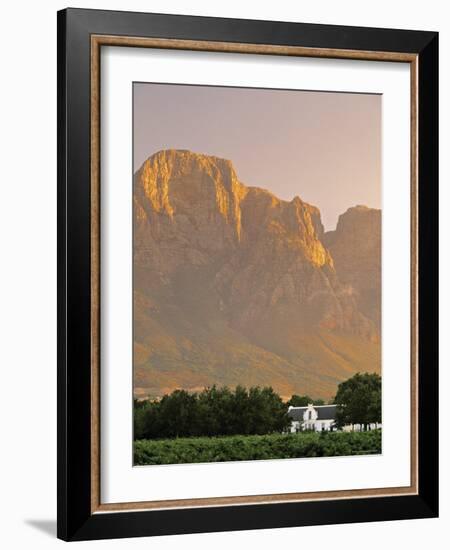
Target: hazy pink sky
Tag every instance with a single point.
(324, 147)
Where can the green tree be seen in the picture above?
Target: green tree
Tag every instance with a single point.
(178, 414)
(303, 401)
(139, 419)
(216, 411)
(268, 413)
(359, 400)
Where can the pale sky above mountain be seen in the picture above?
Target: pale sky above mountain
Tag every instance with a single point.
(322, 146)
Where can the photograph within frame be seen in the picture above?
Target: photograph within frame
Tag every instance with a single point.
(257, 331)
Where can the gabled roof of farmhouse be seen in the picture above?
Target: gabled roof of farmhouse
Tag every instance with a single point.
(296, 413)
(324, 412)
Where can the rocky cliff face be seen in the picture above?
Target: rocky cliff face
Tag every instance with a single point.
(233, 285)
(356, 250)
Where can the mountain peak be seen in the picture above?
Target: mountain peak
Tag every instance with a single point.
(360, 209)
(186, 157)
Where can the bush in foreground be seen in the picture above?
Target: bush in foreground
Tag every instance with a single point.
(255, 447)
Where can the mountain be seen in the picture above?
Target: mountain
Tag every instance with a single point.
(355, 246)
(235, 286)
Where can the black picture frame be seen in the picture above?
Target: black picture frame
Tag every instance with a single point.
(75, 518)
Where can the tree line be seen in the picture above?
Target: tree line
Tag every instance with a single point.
(213, 411)
(254, 411)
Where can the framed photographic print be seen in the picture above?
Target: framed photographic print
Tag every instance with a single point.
(247, 254)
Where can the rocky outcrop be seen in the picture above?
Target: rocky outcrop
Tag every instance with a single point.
(233, 285)
(355, 246)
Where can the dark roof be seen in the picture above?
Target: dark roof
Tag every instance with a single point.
(296, 413)
(327, 412)
(324, 412)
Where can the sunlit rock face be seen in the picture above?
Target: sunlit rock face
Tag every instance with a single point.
(233, 285)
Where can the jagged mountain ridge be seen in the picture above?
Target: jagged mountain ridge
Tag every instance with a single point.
(233, 285)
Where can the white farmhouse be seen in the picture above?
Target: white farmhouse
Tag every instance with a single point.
(313, 417)
(320, 418)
